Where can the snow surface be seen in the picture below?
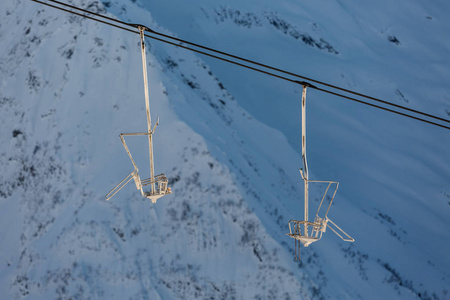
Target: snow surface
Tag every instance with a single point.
(229, 142)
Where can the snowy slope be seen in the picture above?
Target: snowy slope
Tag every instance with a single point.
(228, 140)
(61, 160)
(393, 170)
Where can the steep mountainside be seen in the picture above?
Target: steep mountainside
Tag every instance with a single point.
(228, 140)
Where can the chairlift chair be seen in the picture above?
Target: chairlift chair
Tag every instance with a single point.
(305, 232)
(159, 183)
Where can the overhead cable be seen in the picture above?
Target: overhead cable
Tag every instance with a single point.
(179, 43)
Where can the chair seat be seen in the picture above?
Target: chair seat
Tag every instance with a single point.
(305, 240)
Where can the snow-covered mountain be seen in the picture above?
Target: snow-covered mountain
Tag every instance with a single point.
(229, 142)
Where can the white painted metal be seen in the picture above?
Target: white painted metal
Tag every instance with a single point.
(147, 107)
(305, 164)
(159, 183)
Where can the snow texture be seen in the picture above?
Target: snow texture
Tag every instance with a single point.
(229, 142)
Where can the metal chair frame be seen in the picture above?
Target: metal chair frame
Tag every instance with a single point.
(159, 183)
(312, 231)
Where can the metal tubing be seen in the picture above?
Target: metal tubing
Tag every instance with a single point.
(332, 198)
(305, 164)
(119, 186)
(348, 238)
(147, 106)
(126, 148)
(325, 194)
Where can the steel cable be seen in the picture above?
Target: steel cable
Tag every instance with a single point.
(84, 12)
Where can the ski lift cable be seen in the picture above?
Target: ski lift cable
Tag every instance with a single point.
(83, 15)
(302, 77)
(383, 108)
(159, 39)
(257, 63)
(249, 67)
